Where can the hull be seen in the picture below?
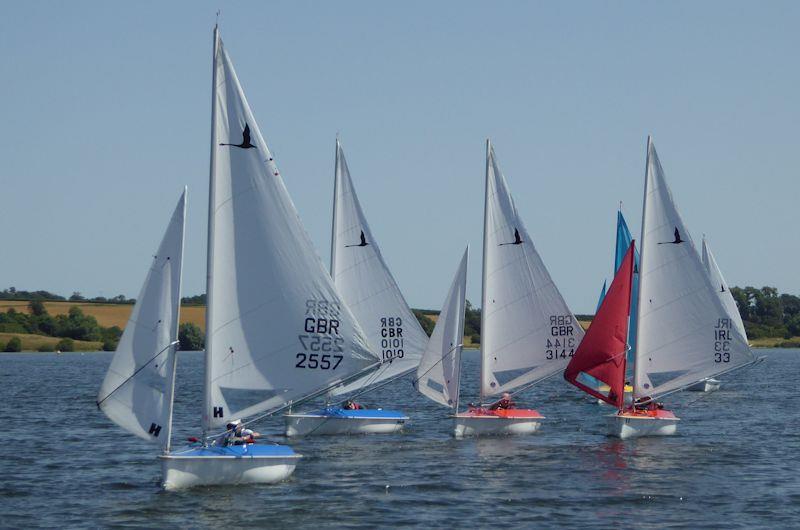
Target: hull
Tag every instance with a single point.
(706, 385)
(629, 424)
(240, 464)
(334, 420)
(484, 422)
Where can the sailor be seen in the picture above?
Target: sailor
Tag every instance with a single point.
(237, 434)
(503, 403)
(351, 405)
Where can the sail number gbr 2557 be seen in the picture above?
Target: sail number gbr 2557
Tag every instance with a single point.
(321, 341)
(561, 343)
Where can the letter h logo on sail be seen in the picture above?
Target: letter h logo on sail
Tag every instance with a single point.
(218, 412)
(155, 430)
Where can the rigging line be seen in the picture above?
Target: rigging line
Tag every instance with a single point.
(754, 362)
(454, 348)
(153, 358)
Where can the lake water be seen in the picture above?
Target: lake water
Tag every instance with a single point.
(734, 463)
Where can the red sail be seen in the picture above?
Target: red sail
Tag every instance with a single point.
(601, 353)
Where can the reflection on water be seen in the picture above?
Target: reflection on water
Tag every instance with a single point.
(733, 462)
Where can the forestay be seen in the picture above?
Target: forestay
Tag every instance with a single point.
(685, 333)
(136, 392)
(722, 288)
(364, 282)
(277, 331)
(438, 372)
(527, 331)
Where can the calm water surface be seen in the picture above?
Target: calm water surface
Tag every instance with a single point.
(734, 464)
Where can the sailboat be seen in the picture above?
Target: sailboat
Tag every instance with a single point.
(439, 371)
(710, 384)
(366, 285)
(138, 389)
(684, 332)
(277, 332)
(602, 354)
(527, 331)
(622, 243)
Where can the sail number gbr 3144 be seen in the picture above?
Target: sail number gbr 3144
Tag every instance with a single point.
(322, 345)
(561, 342)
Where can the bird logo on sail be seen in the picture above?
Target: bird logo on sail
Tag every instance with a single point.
(362, 244)
(517, 239)
(677, 240)
(245, 140)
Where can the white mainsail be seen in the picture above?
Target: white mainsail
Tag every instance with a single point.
(438, 372)
(364, 282)
(527, 331)
(685, 334)
(721, 286)
(136, 393)
(277, 331)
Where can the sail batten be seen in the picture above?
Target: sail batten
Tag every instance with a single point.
(527, 331)
(277, 330)
(366, 285)
(685, 333)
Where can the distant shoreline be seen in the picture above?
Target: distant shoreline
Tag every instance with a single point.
(110, 314)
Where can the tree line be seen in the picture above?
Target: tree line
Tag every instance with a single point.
(764, 311)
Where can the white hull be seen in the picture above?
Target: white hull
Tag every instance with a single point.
(494, 426)
(706, 385)
(311, 424)
(634, 426)
(186, 472)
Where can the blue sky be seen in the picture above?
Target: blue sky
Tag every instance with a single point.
(106, 117)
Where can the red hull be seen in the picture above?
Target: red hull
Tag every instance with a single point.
(504, 413)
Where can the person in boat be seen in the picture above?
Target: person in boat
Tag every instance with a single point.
(504, 403)
(351, 405)
(647, 403)
(238, 434)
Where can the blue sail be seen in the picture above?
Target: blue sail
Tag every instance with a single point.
(623, 242)
(602, 295)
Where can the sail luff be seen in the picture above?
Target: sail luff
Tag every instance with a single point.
(484, 301)
(212, 201)
(335, 210)
(636, 378)
(173, 365)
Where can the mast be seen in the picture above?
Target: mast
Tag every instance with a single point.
(335, 212)
(641, 268)
(460, 345)
(174, 364)
(484, 304)
(210, 249)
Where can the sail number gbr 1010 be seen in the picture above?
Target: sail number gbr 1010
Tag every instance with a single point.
(561, 342)
(324, 348)
(391, 338)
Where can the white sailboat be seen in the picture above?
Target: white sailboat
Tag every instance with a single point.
(366, 285)
(277, 333)
(711, 384)
(439, 372)
(685, 333)
(527, 331)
